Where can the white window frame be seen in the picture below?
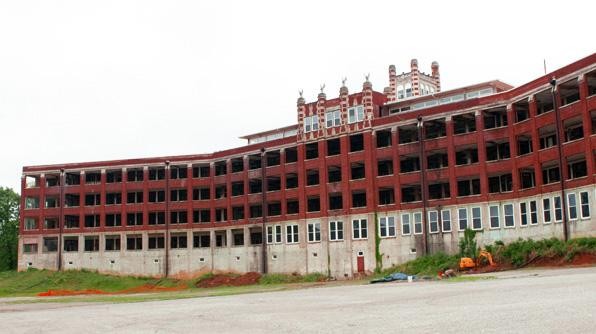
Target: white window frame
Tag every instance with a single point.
(28, 226)
(332, 117)
(547, 208)
(433, 218)
(557, 208)
(459, 218)
(314, 232)
(336, 227)
(524, 214)
(385, 226)
(292, 234)
(505, 215)
(446, 218)
(533, 213)
(569, 196)
(359, 227)
(274, 234)
(581, 204)
(405, 223)
(355, 114)
(474, 218)
(307, 124)
(491, 216)
(417, 222)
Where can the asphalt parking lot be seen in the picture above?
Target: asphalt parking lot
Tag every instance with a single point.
(529, 301)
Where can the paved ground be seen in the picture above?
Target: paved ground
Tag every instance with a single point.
(529, 301)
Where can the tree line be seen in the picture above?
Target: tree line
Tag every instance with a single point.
(9, 228)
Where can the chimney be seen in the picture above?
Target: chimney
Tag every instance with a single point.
(436, 76)
(367, 102)
(343, 104)
(301, 112)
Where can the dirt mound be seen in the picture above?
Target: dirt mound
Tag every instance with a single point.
(229, 280)
(65, 292)
(580, 259)
(145, 288)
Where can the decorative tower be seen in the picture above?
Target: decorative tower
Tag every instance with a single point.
(435, 75)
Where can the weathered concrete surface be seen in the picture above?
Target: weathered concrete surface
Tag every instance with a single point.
(529, 301)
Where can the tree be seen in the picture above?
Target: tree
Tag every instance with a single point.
(9, 228)
(467, 244)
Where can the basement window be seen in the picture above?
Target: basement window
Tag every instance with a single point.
(237, 165)
(384, 167)
(358, 199)
(333, 174)
(291, 155)
(386, 196)
(92, 244)
(312, 150)
(465, 123)
(134, 242)
(383, 138)
(500, 183)
(333, 147)
(335, 201)
(356, 142)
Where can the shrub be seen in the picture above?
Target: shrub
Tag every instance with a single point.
(467, 245)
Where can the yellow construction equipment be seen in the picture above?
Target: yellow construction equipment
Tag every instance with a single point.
(469, 263)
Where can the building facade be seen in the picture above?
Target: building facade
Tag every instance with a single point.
(364, 180)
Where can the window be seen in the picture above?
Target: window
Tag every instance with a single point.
(112, 243)
(178, 195)
(178, 241)
(157, 196)
(433, 221)
(494, 216)
(417, 222)
(313, 204)
(508, 212)
(157, 173)
(134, 175)
(314, 232)
(70, 221)
(92, 199)
(201, 240)
(178, 217)
(71, 244)
(533, 213)
(274, 234)
(446, 220)
(311, 123)
(201, 216)
(336, 231)
(523, 211)
(157, 218)
(386, 227)
(113, 198)
(355, 114)
(546, 217)
(550, 174)
(572, 206)
(462, 216)
(30, 224)
(200, 194)
(50, 244)
(292, 234)
(156, 241)
(178, 172)
(134, 197)
(558, 209)
(29, 248)
(134, 242)
(359, 227)
(332, 118)
(113, 176)
(91, 244)
(405, 224)
(358, 199)
(584, 200)
(91, 221)
(577, 169)
(134, 218)
(476, 218)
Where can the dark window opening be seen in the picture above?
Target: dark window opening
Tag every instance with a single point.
(74, 179)
(438, 191)
(134, 218)
(237, 237)
(92, 199)
(178, 241)
(291, 181)
(157, 241)
(178, 172)
(312, 150)
(524, 145)
(134, 197)
(333, 147)
(569, 92)
(201, 240)
(237, 188)
(591, 78)
(157, 173)
(356, 142)
(335, 201)
(113, 176)
(358, 199)
(407, 134)
(221, 214)
(291, 155)
(157, 218)
(464, 123)
(134, 242)
(527, 178)
(386, 196)
(384, 167)
(254, 161)
(312, 177)
(548, 137)
(237, 165)
(273, 183)
(273, 158)
(220, 168)
(292, 206)
(199, 194)
(220, 191)
(92, 177)
(178, 195)
(573, 130)
(220, 239)
(411, 194)
(437, 160)
(156, 196)
(91, 244)
(113, 198)
(544, 102)
(113, 219)
(409, 164)
(500, 183)
(71, 200)
(495, 118)
(357, 170)
(550, 174)
(383, 138)
(52, 180)
(466, 156)
(237, 212)
(334, 174)
(200, 171)
(497, 151)
(70, 221)
(468, 187)
(256, 236)
(256, 211)
(577, 168)
(274, 209)
(435, 128)
(201, 216)
(255, 186)
(71, 244)
(313, 204)
(522, 110)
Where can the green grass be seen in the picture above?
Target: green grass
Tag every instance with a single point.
(468, 278)
(31, 282)
(520, 252)
(269, 279)
(425, 265)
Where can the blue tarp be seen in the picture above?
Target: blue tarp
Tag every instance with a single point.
(393, 277)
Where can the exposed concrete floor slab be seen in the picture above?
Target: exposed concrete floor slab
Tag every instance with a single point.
(529, 301)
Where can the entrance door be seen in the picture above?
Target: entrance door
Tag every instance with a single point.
(360, 262)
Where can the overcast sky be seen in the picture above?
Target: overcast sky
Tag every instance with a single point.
(96, 80)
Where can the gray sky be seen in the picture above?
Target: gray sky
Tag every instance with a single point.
(96, 80)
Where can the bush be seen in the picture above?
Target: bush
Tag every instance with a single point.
(426, 265)
(467, 244)
(294, 278)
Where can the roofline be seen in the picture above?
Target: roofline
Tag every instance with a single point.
(258, 134)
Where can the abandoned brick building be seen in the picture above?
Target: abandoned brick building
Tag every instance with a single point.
(364, 179)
